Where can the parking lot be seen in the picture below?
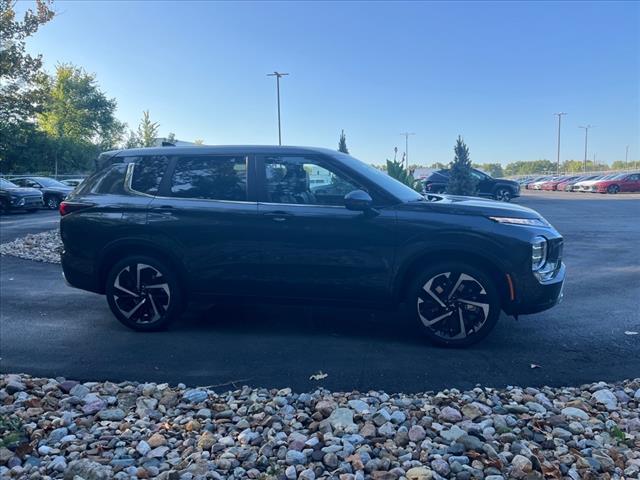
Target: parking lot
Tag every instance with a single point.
(49, 329)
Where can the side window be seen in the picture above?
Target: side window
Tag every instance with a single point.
(148, 173)
(210, 178)
(299, 180)
(108, 181)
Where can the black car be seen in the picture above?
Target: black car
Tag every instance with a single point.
(53, 191)
(154, 228)
(487, 186)
(13, 197)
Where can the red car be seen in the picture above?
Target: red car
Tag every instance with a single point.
(625, 182)
(553, 184)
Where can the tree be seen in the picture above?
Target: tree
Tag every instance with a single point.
(78, 116)
(147, 130)
(171, 138)
(533, 167)
(20, 96)
(461, 182)
(397, 170)
(342, 143)
(198, 141)
(132, 140)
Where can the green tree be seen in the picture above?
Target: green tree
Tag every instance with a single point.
(397, 170)
(461, 182)
(621, 165)
(171, 138)
(342, 143)
(78, 116)
(198, 141)
(20, 95)
(534, 167)
(147, 130)
(132, 140)
(437, 166)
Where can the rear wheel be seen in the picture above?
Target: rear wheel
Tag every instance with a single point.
(456, 305)
(613, 189)
(52, 202)
(503, 195)
(143, 293)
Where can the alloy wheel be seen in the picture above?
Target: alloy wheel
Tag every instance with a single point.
(503, 195)
(141, 293)
(613, 189)
(453, 305)
(53, 203)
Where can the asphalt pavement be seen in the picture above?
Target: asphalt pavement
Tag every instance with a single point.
(49, 329)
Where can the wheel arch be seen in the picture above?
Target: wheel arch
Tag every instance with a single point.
(490, 266)
(116, 251)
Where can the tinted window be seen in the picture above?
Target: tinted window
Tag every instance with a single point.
(49, 182)
(298, 180)
(25, 182)
(108, 181)
(6, 184)
(212, 178)
(148, 173)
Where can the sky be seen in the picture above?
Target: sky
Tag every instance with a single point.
(493, 72)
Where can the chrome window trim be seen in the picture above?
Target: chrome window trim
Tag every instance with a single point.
(302, 205)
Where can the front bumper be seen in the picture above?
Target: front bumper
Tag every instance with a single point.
(532, 296)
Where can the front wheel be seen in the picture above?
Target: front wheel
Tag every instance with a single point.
(456, 305)
(143, 293)
(613, 189)
(503, 195)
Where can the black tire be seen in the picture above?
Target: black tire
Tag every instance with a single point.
(503, 194)
(52, 202)
(446, 304)
(613, 189)
(146, 303)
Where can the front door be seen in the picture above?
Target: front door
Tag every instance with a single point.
(313, 247)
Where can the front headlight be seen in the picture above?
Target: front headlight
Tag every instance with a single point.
(536, 222)
(538, 253)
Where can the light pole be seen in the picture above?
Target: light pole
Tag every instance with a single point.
(406, 147)
(278, 75)
(586, 136)
(559, 114)
(626, 157)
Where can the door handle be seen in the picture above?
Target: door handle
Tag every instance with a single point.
(278, 216)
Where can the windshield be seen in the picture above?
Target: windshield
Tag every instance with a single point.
(49, 182)
(390, 184)
(7, 184)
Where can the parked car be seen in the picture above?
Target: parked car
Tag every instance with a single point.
(53, 191)
(72, 182)
(13, 197)
(152, 229)
(585, 185)
(538, 185)
(624, 182)
(552, 185)
(487, 186)
(530, 182)
(567, 185)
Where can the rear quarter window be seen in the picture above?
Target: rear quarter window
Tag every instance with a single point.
(107, 181)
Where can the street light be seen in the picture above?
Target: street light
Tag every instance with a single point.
(406, 147)
(278, 75)
(626, 157)
(586, 136)
(559, 114)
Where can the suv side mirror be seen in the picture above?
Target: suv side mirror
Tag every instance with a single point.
(358, 200)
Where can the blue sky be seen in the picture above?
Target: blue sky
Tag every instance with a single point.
(493, 72)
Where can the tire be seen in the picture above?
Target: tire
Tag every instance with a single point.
(52, 202)
(438, 300)
(503, 195)
(147, 302)
(613, 189)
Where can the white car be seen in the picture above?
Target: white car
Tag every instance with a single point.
(538, 185)
(585, 186)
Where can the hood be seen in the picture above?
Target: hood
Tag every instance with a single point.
(458, 205)
(22, 191)
(589, 182)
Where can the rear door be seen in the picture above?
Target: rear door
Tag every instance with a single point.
(203, 212)
(631, 183)
(312, 246)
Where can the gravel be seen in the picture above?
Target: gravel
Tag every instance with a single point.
(40, 247)
(147, 430)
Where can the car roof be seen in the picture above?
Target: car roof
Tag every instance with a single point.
(222, 149)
